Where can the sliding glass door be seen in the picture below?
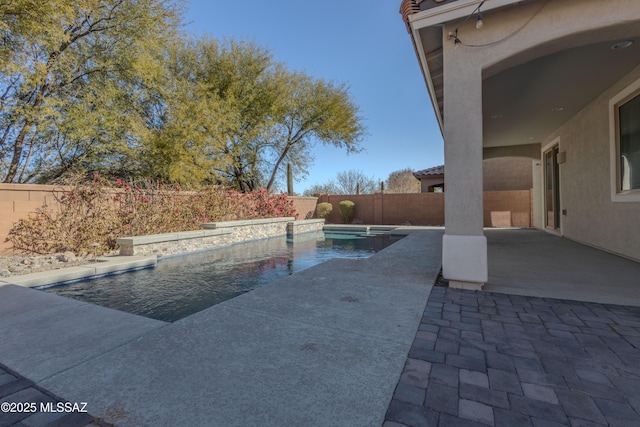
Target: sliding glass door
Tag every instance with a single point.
(552, 189)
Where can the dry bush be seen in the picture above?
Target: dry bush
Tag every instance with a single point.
(86, 213)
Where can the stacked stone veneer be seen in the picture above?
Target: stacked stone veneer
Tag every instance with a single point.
(304, 226)
(214, 235)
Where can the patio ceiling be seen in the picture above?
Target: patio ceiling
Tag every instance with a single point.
(528, 96)
(523, 104)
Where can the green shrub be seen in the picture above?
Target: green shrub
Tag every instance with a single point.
(324, 209)
(347, 211)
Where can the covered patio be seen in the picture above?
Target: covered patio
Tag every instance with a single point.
(557, 83)
(536, 263)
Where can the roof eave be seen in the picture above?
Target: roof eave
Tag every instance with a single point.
(448, 12)
(438, 17)
(424, 67)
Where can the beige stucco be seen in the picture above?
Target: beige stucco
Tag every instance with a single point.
(498, 174)
(585, 190)
(516, 34)
(427, 184)
(507, 173)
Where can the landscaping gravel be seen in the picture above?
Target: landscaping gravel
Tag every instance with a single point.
(15, 265)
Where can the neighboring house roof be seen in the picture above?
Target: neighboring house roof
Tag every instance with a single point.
(433, 172)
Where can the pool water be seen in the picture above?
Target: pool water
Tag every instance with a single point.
(180, 286)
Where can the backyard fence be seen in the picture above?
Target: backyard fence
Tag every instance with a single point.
(501, 208)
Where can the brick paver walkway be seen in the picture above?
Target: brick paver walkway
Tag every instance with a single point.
(15, 389)
(482, 358)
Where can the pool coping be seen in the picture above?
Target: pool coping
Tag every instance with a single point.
(375, 229)
(103, 266)
(244, 223)
(171, 237)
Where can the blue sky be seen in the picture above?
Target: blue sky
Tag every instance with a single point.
(362, 44)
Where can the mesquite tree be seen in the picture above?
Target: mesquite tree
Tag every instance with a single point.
(70, 73)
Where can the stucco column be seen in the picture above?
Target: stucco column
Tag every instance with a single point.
(464, 246)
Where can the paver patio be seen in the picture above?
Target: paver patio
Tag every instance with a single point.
(482, 358)
(15, 388)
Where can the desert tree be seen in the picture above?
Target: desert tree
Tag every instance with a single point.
(241, 116)
(347, 182)
(402, 181)
(317, 189)
(354, 181)
(310, 111)
(184, 117)
(70, 76)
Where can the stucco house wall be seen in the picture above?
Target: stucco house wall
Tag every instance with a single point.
(427, 184)
(498, 174)
(507, 173)
(585, 183)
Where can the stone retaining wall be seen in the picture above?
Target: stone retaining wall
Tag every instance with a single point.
(215, 234)
(304, 226)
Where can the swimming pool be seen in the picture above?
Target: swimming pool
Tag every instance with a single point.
(180, 286)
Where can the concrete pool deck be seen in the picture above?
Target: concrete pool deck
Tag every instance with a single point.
(325, 346)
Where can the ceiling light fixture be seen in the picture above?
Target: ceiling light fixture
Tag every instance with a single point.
(455, 38)
(479, 22)
(622, 44)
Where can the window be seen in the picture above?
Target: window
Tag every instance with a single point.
(629, 144)
(624, 124)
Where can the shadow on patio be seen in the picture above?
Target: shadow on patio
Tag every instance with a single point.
(536, 263)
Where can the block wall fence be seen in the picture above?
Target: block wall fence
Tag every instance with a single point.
(16, 202)
(501, 208)
(511, 208)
